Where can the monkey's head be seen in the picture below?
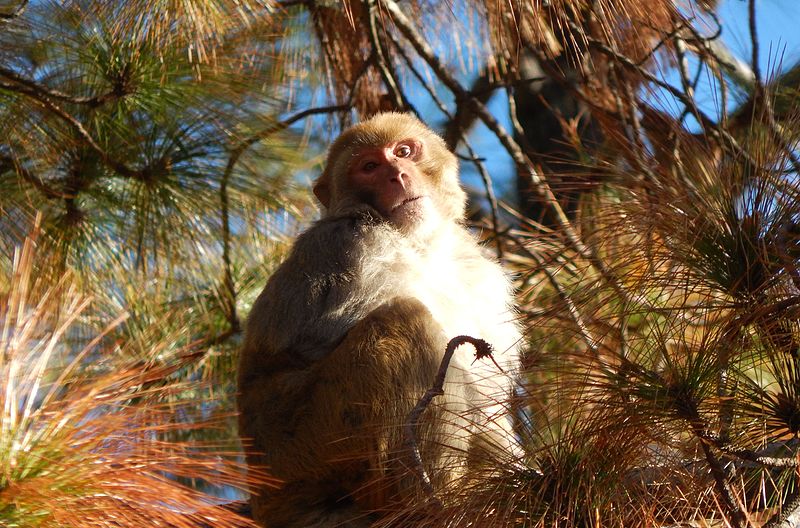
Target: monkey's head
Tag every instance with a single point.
(395, 164)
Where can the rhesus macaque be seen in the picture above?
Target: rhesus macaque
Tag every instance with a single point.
(349, 332)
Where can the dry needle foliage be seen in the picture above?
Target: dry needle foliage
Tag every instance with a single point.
(84, 449)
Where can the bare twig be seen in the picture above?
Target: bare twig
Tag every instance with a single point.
(485, 177)
(487, 184)
(515, 124)
(382, 60)
(751, 19)
(410, 443)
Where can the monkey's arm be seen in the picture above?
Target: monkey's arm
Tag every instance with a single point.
(340, 418)
(308, 306)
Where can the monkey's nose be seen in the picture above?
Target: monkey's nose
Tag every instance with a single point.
(398, 176)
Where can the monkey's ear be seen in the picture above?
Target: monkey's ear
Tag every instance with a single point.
(322, 191)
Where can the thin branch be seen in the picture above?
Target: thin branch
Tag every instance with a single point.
(666, 38)
(44, 101)
(751, 19)
(41, 186)
(410, 442)
(635, 134)
(381, 58)
(229, 286)
(714, 47)
(712, 52)
(28, 85)
(487, 184)
(516, 125)
(683, 67)
(246, 143)
(478, 162)
(728, 62)
(565, 297)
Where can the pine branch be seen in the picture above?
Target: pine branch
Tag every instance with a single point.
(33, 86)
(44, 102)
(229, 286)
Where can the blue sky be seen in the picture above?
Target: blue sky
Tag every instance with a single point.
(778, 25)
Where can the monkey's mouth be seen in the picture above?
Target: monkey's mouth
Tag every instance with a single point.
(406, 202)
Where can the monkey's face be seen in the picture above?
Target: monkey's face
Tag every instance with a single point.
(396, 165)
(387, 178)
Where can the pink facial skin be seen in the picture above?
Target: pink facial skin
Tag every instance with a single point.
(391, 177)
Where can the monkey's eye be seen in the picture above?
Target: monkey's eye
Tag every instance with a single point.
(368, 166)
(403, 151)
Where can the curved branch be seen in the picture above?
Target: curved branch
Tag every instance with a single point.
(229, 293)
(245, 144)
(482, 350)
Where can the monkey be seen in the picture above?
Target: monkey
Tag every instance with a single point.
(350, 330)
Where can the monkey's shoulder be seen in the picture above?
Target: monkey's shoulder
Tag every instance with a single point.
(318, 292)
(339, 242)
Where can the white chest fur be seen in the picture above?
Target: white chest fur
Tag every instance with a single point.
(467, 293)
